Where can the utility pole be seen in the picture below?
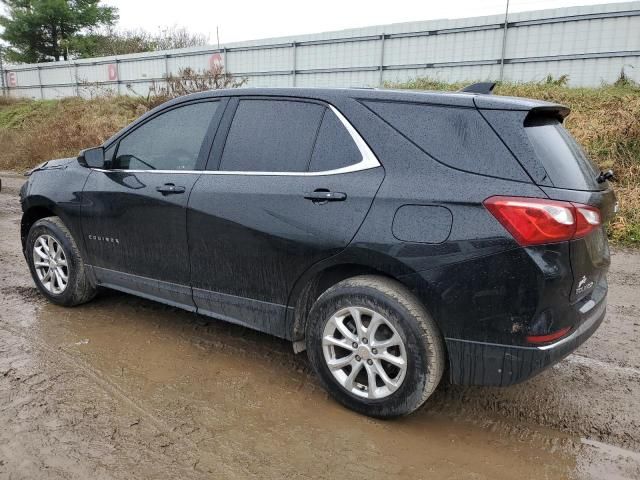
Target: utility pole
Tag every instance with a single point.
(504, 42)
(218, 36)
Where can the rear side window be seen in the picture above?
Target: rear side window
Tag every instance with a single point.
(334, 147)
(272, 136)
(564, 160)
(457, 137)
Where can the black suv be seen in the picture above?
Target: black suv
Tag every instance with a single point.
(393, 235)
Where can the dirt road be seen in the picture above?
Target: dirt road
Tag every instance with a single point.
(126, 388)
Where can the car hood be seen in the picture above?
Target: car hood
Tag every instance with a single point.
(51, 165)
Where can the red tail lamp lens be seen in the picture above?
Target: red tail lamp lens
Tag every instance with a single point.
(536, 221)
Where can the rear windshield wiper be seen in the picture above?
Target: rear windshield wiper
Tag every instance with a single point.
(604, 176)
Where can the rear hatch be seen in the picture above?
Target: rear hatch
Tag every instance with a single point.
(560, 167)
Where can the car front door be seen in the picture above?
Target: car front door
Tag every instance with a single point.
(288, 185)
(134, 211)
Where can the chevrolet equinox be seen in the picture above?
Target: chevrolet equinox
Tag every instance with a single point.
(394, 236)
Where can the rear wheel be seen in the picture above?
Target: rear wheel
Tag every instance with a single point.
(374, 346)
(56, 264)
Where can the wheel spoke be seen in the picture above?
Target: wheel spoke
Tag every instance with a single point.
(58, 280)
(40, 264)
(42, 254)
(50, 247)
(62, 262)
(63, 276)
(340, 363)
(357, 319)
(44, 246)
(392, 359)
(395, 340)
(342, 328)
(391, 385)
(371, 378)
(337, 342)
(355, 369)
(376, 321)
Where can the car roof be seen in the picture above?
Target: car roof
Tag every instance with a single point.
(458, 99)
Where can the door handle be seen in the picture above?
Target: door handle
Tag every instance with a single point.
(170, 188)
(323, 195)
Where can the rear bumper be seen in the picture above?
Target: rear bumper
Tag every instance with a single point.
(479, 363)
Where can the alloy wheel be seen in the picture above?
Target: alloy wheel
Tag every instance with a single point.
(50, 263)
(364, 352)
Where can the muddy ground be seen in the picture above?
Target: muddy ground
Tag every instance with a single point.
(126, 388)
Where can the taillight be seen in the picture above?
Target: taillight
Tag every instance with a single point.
(535, 221)
(588, 219)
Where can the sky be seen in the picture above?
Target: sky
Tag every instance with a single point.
(239, 20)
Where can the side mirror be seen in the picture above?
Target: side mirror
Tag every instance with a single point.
(92, 157)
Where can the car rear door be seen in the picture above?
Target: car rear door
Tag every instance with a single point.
(289, 183)
(134, 211)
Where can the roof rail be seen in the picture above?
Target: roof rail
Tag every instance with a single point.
(480, 87)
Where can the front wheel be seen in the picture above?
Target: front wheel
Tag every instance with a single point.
(56, 264)
(374, 346)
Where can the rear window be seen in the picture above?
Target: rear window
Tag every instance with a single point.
(564, 160)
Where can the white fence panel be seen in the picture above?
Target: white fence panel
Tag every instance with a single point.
(590, 44)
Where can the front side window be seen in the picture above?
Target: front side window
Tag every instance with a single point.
(170, 141)
(272, 136)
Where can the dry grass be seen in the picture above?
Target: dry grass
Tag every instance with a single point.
(34, 131)
(606, 121)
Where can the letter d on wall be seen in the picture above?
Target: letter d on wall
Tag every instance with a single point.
(112, 70)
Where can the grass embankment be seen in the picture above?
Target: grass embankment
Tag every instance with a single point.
(606, 121)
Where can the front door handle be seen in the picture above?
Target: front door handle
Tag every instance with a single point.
(169, 189)
(322, 196)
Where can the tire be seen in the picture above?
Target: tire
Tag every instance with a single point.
(397, 313)
(78, 289)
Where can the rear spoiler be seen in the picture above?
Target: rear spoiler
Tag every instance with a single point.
(557, 111)
(485, 88)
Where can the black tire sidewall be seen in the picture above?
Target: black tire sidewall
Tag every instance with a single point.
(46, 227)
(410, 394)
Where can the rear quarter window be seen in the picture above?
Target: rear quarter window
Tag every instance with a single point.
(457, 137)
(334, 147)
(566, 163)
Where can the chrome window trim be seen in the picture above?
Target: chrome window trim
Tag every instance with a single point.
(368, 161)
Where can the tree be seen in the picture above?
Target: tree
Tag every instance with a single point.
(117, 42)
(45, 30)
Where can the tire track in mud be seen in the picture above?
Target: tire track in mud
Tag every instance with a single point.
(116, 392)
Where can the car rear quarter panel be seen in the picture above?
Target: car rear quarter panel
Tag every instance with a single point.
(478, 283)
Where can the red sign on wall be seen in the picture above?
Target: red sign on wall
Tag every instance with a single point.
(12, 79)
(216, 61)
(112, 70)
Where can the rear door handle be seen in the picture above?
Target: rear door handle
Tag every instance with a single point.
(325, 196)
(170, 188)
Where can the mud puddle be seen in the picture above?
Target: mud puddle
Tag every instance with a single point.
(125, 388)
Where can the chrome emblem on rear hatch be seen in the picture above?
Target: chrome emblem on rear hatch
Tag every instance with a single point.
(583, 285)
